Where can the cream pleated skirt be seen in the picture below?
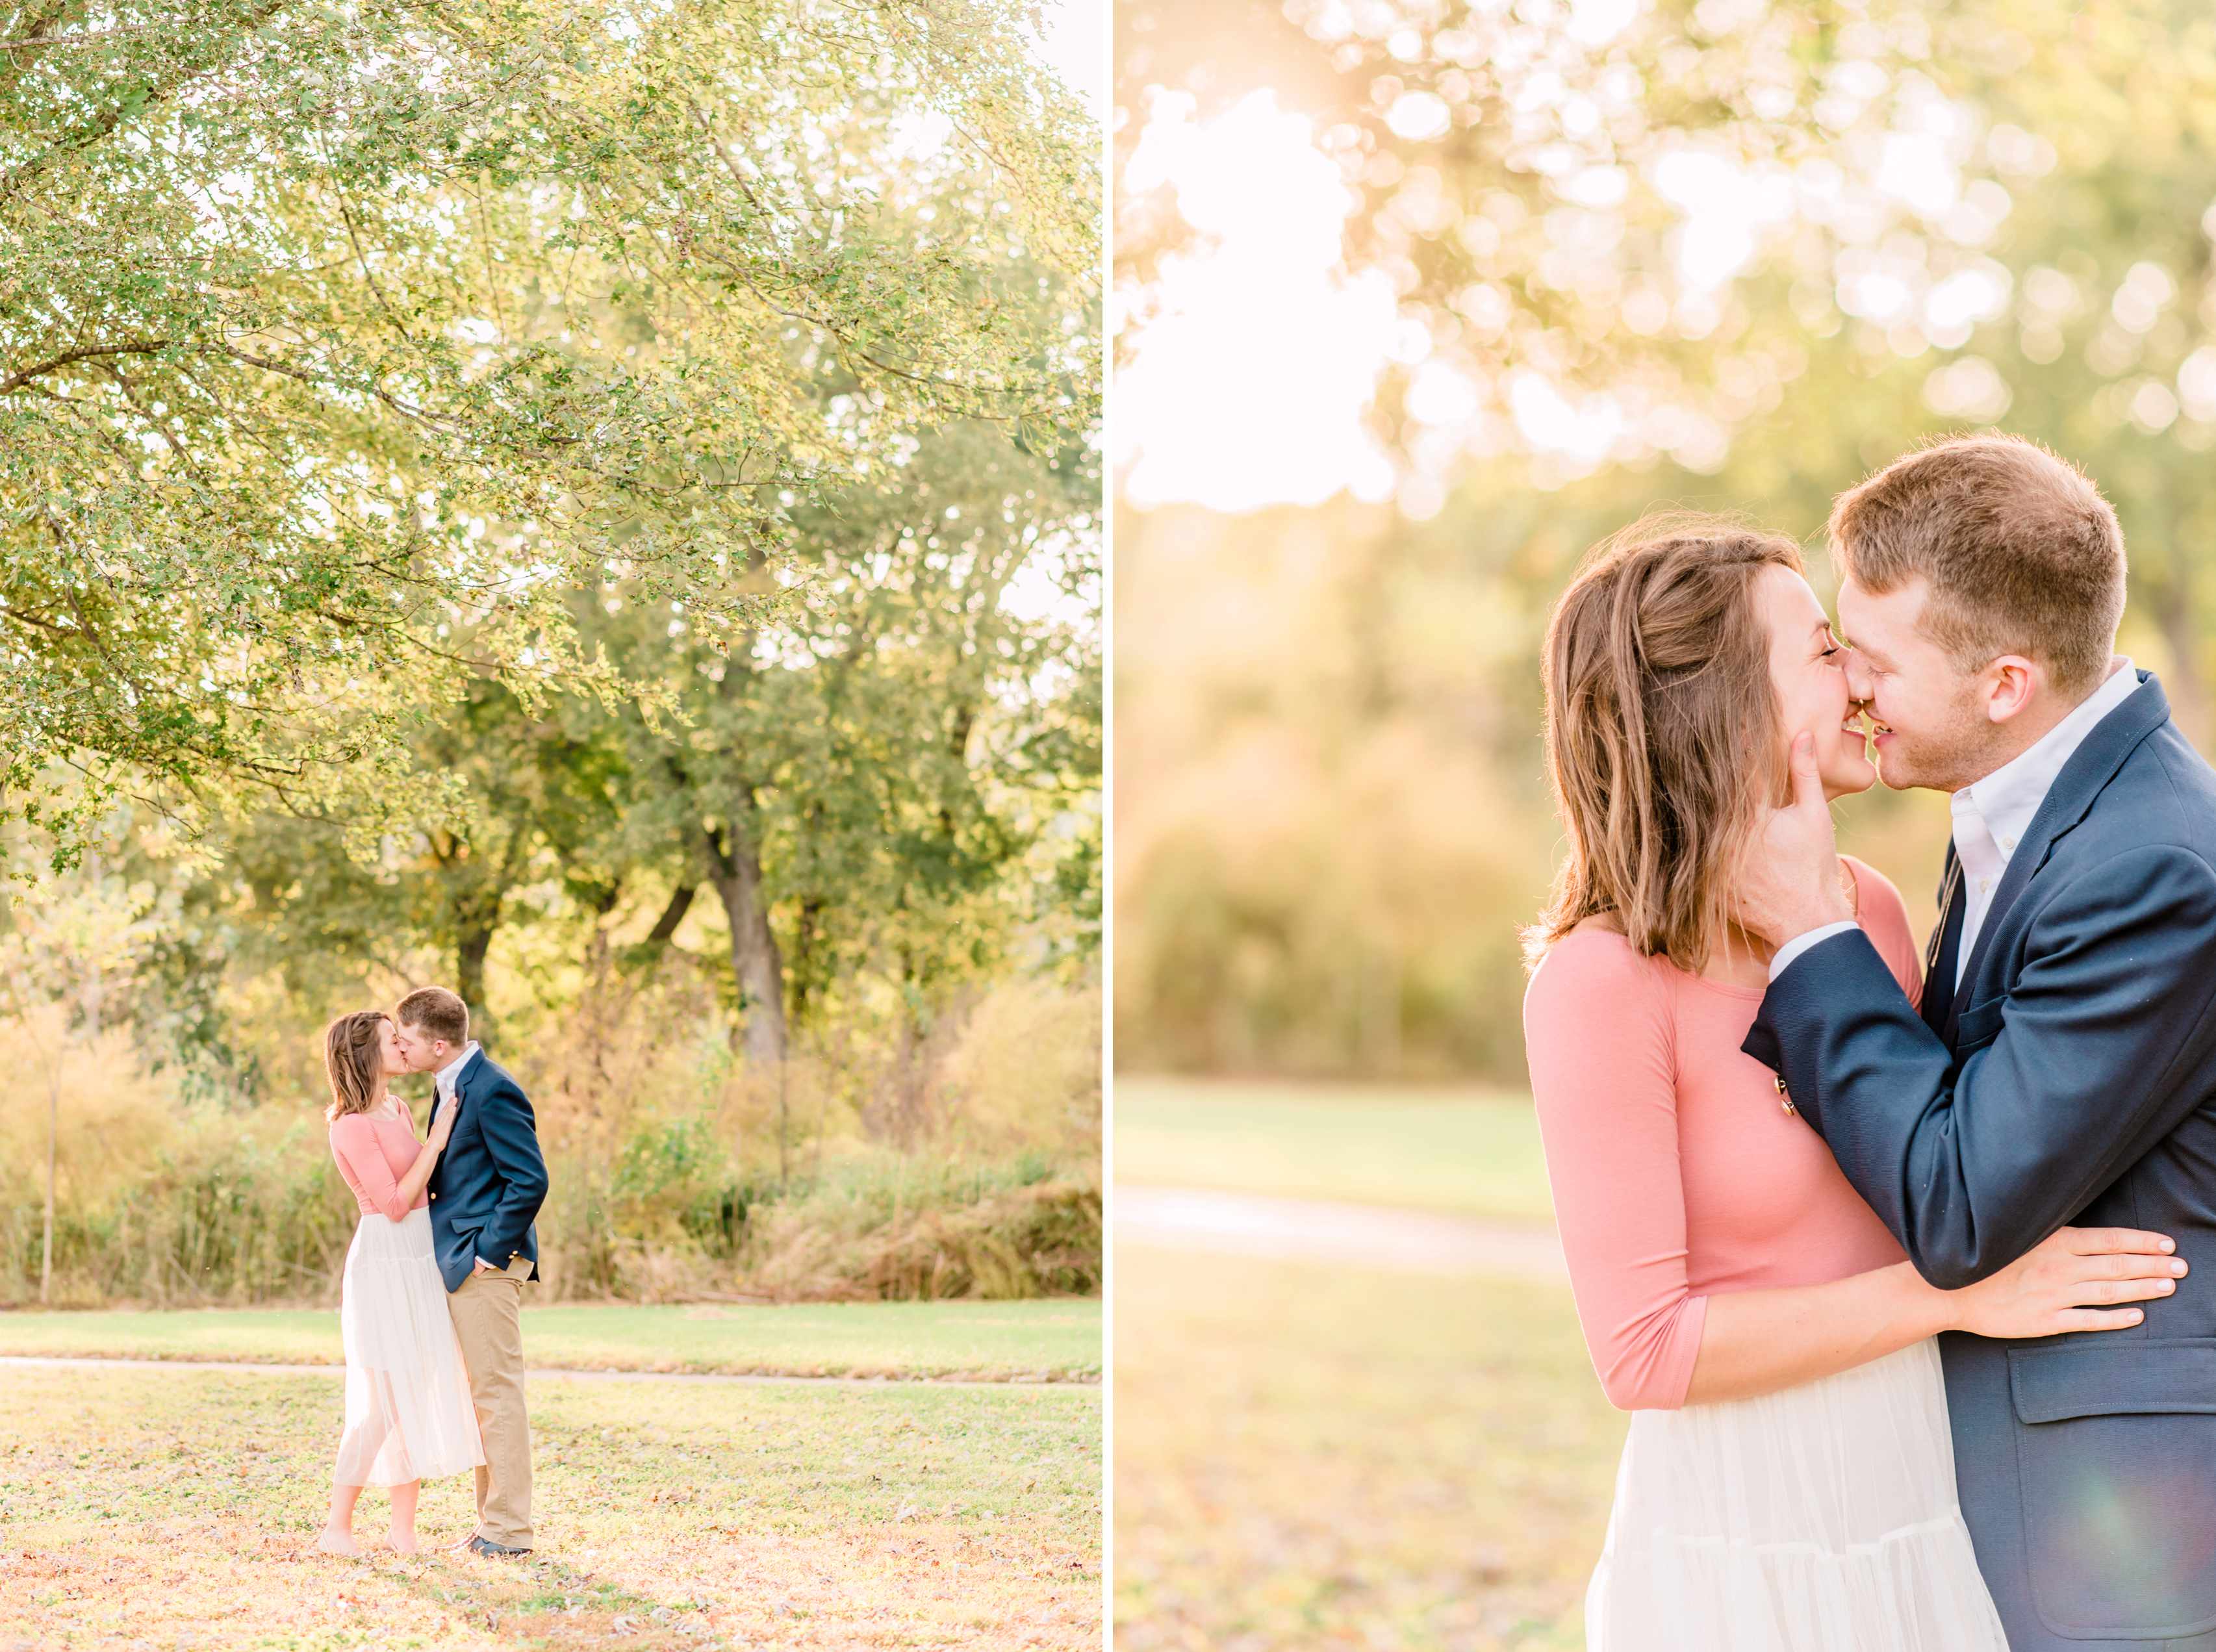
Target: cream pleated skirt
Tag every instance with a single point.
(408, 1415)
(1821, 1518)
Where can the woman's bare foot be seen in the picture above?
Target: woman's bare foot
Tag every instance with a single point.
(403, 1543)
(332, 1542)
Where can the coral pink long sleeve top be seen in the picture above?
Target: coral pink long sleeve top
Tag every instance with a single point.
(374, 1151)
(1677, 1173)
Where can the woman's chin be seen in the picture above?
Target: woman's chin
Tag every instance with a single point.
(1847, 774)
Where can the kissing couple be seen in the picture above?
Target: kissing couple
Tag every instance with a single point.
(1886, 1250)
(431, 1313)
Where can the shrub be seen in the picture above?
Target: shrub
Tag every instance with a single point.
(672, 1171)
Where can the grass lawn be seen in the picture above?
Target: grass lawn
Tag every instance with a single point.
(1058, 1338)
(1466, 1152)
(1325, 1456)
(166, 1508)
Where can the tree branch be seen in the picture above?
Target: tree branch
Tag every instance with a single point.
(672, 914)
(90, 37)
(15, 381)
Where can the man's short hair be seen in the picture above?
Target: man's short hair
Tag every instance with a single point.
(438, 1012)
(2021, 553)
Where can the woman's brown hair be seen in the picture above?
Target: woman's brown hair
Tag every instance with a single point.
(353, 1059)
(1662, 731)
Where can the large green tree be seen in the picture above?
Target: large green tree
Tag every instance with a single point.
(877, 785)
(890, 791)
(338, 341)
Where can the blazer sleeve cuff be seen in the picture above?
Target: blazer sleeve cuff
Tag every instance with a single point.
(1843, 973)
(1783, 959)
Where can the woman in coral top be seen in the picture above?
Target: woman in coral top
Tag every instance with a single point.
(409, 1416)
(1788, 1483)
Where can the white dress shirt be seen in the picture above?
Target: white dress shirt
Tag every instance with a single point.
(450, 1074)
(1992, 815)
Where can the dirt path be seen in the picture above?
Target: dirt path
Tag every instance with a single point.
(96, 1362)
(1249, 1224)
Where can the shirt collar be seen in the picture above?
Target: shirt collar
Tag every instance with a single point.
(451, 1073)
(2004, 801)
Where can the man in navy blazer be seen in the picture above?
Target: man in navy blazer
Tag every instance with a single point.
(485, 1191)
(2063, 1067)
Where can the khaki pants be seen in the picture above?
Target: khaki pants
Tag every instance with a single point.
(487, 1318)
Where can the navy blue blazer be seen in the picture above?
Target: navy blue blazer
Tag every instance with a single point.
(488, 1186)
(2071, 1078)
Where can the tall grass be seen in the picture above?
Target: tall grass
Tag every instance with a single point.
(675, 1173)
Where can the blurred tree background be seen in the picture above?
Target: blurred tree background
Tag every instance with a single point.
(595, 505)
(1415, 301)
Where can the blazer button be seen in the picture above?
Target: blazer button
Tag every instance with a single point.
(434, 1195)
(1785, 1101)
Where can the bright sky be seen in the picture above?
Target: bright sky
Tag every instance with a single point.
(1248, 382)
(1077, 46)
(1249, 387)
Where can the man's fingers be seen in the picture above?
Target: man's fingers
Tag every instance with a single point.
(2097, 1319)
(2129, 1266)
(2098, 1241)
(2123, 1291)
(2093, 1293)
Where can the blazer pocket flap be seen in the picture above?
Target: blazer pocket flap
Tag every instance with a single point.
(2054, 1384)
(1980, 1023)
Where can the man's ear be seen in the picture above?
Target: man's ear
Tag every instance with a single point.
(2012, 682)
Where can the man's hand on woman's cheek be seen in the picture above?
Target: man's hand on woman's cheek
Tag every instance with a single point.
(1789, 881)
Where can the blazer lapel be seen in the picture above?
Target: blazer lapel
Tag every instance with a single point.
(1938, 1001)
(462, 1079)
(2091, 768)
(461, 1100)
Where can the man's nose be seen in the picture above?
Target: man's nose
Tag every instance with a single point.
(1860, 683)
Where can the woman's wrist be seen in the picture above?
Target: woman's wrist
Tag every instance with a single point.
(1932, 1310)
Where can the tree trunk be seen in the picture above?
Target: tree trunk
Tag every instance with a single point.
(755, 960)
(476, 940)
(94, 986)
(783, 1132)
(665, 927)
(53, 1134)
(477, 895)
(807, 929)
(804, 932)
